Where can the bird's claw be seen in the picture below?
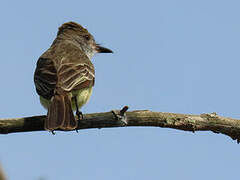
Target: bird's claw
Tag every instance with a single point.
(79, 115)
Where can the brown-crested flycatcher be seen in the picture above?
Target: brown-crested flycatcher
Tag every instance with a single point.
(65, 75)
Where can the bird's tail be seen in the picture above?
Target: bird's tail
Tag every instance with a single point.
(60, 114)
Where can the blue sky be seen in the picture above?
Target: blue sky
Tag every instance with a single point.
(170, 56)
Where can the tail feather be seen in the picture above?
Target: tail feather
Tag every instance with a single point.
(69, 121)
(60, 114)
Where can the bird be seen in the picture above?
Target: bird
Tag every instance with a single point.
(64, 75)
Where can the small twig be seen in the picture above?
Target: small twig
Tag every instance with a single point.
(121, 117)
(123, 110)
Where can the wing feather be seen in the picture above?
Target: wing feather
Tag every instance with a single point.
(72, 75)
(45, 78)
(65, 66)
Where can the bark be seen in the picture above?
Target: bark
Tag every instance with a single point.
(187, 122)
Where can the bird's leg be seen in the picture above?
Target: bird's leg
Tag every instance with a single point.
(78, 113)
(121, 117)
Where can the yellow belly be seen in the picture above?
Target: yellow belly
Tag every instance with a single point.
(83, 95)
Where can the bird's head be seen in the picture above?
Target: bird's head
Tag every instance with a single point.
(82, 37)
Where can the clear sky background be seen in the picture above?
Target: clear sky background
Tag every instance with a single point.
(170, 56)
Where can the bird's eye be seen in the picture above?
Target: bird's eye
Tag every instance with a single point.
(87, 37)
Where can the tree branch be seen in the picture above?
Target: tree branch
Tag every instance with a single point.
(204, 122)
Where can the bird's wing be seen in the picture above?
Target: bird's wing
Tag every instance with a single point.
(75, 70)
(65, 67)
(45, 77)
(74, 76)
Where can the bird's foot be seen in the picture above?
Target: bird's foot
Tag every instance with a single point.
(79, 115)
(121, 116)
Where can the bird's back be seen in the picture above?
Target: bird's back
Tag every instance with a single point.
(63, 65)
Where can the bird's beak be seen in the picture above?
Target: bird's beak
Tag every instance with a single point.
(101, 49)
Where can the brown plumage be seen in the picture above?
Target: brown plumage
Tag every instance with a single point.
(63, 71)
